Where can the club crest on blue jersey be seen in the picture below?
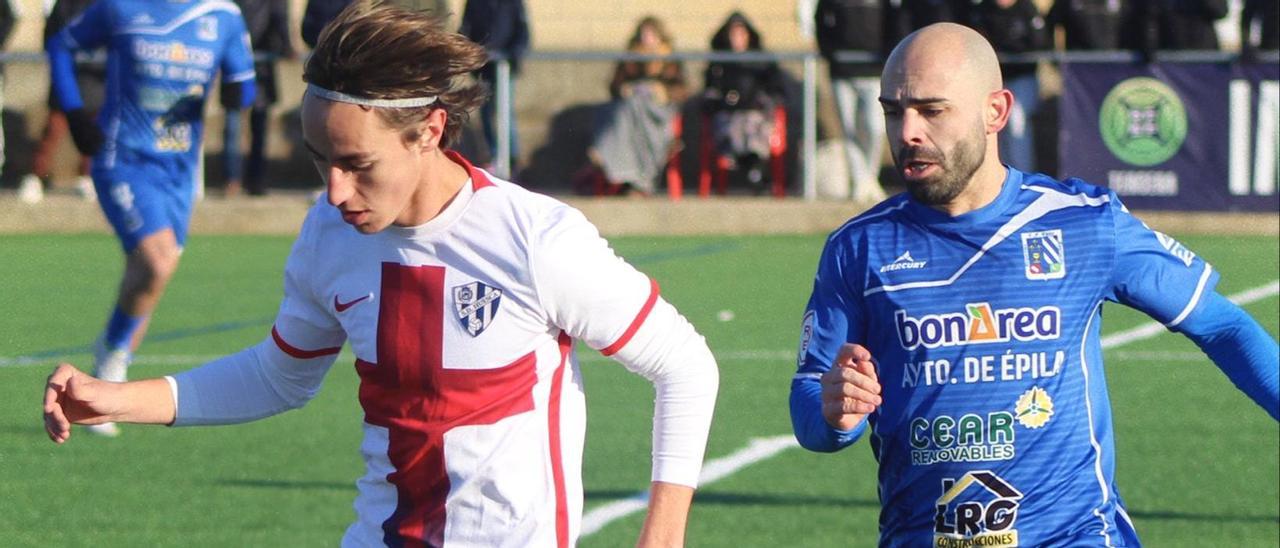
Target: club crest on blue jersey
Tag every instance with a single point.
(476, 305)
(1043, 254)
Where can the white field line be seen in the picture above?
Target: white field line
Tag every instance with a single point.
(759, 448)
(713, 470)
(1151, 329)
(1144, 331)
(763, 448)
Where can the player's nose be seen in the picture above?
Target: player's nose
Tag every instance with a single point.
(340, 185)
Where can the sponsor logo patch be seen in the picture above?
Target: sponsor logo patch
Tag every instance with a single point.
(903, 262)
(976, 509)
(1034, 408)
(978, 324)
(476, 305)
(1043, 255)
(806, 336)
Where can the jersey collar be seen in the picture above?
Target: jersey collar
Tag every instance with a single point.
(1008, 194)
(478, 180)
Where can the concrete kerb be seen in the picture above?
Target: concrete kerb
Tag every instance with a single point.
(282, 213)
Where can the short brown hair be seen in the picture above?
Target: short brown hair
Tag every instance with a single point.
(377, 50)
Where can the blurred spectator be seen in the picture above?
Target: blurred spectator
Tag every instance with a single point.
(320, 12)
(1178, 24)
(634, 135)
(502, 27)
(739, 98)
(316, 16)
(268, 25)
(1013, 27)
(917, 14)
(92, 74)
(8, 14)
(1265, 15)
(1091, 24)
(857, 26)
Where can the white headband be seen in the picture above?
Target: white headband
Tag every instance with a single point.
(407, 102)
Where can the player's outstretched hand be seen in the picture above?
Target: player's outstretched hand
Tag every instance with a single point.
(71, 397)
(851, 389)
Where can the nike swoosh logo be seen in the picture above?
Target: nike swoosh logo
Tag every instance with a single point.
(342, 307)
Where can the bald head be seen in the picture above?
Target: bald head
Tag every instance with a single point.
(944, 106)
(951, 49)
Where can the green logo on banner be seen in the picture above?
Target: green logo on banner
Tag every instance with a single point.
(1142, 121)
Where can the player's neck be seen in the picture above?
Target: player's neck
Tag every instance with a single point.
(983, 189)
(441, 181)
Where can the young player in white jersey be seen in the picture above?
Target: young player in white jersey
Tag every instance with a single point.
(461, 296)
(958, 325)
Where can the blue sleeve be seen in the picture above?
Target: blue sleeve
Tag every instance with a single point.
(237, 60)
(89, 31)
(1240, 347)
(1155, 273)
(62, 74)
(833, 317)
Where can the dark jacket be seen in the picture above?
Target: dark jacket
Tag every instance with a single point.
(741, 85)
(268, 25)
(1267, 14)
(1178, 24)
(1091, 24)
(852, 25)
(1018, 28)
(317, 15)
(501, 26)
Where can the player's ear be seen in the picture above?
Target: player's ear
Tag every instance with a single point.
(432, 129)
(996, 110)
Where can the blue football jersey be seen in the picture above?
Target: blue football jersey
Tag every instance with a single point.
(996, 426)
(163, 56)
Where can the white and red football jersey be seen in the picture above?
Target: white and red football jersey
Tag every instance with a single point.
(462, 328)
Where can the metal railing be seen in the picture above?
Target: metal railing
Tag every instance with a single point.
(809, 61)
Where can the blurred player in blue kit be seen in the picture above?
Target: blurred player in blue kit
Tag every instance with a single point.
(959, 323)
(162, 58)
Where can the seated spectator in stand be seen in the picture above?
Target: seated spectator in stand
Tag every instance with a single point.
(634, 134)
(1091, 24)
(1013, 27)
(740, 97)
(1266, 15)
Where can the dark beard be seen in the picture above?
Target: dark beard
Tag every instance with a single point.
(957, 169)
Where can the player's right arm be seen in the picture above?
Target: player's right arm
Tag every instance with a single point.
(835, 386)
(282, 372)
(72, 396)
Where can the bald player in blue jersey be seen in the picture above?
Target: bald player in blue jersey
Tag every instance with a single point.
(958, 324)
(162, 59)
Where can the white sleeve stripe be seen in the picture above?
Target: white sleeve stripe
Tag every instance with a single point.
(802, 376)
(1195, 297)
(173, 389)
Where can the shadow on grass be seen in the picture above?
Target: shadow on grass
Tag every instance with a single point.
(289, 484)
(728, 498)
(1162, 515)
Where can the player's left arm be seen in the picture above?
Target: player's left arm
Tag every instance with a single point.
(1239, 346)
(1159, 276)
(238, 87)
(598, 298)
(668, 515)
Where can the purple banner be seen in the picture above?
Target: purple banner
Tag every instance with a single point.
(1175, 136)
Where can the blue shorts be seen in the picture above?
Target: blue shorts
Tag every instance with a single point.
(141, 200)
